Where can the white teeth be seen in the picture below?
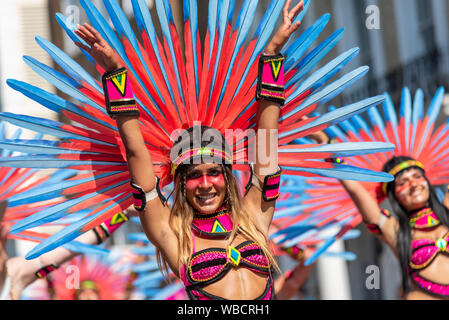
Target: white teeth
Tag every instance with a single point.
(203, 198)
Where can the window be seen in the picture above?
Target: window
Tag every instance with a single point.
(426, 25)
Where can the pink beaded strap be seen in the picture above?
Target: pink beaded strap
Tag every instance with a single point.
(270, 82)
(118, 93)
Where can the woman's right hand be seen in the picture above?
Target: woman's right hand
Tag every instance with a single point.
(98, 48)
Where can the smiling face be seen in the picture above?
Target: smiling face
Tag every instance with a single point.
(205, 187)
(411, 189)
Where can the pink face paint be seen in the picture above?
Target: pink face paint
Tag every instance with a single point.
(204, 180)
(403, 190)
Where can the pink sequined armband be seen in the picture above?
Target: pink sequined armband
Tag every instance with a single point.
(270, 82)
(141, 198)
(270, 190)
(118, 93)
(269, 187)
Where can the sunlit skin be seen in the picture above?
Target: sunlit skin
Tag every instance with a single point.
(205, 187)
(411, 189)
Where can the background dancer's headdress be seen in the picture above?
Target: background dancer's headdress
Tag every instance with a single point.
(295, 226)
(150, 280)
(414, 133)
(219, 93)
(28, 191)
(96, 274)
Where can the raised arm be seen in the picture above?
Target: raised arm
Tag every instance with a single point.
(270, 97)
(138, 158)
(154, 216)
(376, 219)
(269, 104)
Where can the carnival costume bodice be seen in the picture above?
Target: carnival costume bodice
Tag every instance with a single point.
(425, 251)
(212, 264)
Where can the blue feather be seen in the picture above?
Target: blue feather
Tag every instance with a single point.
(296, 50)
(123, 28)
(406, 113)
(191, 15)
(62, 82)
(67, 234)
(321, 76)
(313, 58)
(69, 28)
(346, 172)
(165, 18)
(337, 115)
(84, 248)
(45, 126)
(330, 91)
(417, 115)
(72, 68)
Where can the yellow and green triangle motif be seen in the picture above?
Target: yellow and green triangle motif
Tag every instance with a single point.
(118, 218)
(218, 227)
(276, 68)
(119, 82)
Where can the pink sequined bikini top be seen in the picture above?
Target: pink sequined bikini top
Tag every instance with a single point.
(424, 252)
(210, 265)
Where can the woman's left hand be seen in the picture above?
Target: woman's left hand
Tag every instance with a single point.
(287, 28)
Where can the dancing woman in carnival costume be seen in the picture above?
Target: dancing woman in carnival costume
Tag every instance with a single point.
(417, 228)
(210, 236)
(206, 194)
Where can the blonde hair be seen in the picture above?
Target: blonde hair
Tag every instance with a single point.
(182, 214)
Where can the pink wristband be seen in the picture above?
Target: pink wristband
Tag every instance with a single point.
(270, 82)
(43, 272)
(118, 93)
